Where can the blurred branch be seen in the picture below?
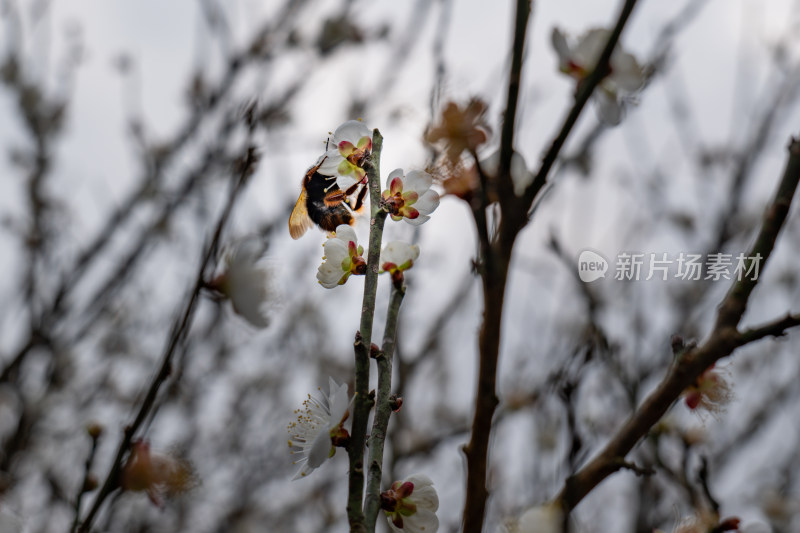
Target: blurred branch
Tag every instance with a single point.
(723, 340)
(179, 330)
(496, 256)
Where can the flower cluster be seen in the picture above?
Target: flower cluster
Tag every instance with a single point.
(320, 427)
(579, 59)
(410, 505)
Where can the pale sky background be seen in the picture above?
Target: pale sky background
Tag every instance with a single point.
(718, 65)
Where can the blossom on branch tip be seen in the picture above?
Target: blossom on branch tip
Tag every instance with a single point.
(351, 145)
(245, 281)
(410, 505)
(711, 392)
(396, 258)
(343, 257)
(625, 76)
(319, 427)
(157, 474)
(409, 196)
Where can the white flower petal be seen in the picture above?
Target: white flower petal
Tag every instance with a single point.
(345, 182)
(330, 166)
(329, 275)
(339, 402)
(590, 47)
(424, 495)
(541, 519)
(396, 173)
(561, 46)
(346, 234)
(246, 282)
(351, 131)
(626, 72)
(427, 202)
(399, 252)
(608, 108)
(423, 521)
(421, 219)
(417, 181)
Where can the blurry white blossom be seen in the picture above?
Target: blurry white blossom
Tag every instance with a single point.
(352, 143)
(319, 427)
(547, 518)
(343, 257)
(411, 505)
(579, 59)
(409, 197)
(245, 281)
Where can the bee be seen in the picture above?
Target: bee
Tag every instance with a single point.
(323, 203)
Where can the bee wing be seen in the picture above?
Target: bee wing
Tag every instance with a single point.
(299, 221)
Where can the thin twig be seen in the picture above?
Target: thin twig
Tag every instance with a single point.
(723, 340)
(179, 329)
(383, 409)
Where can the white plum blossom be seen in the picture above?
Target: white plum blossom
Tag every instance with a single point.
(626, 76)
(352, 143)
(409, 197)
(398, 256)
(245, 281)
(520, 175)
(343, 257)
(319, 427)
(411, 505)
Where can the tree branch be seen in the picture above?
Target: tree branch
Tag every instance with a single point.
(723, 340)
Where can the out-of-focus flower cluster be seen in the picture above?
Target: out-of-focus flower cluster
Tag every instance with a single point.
(579, 58)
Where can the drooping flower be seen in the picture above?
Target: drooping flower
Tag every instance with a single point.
(319, 427)
(343, 257)
(245, 281)
(711, 392)
(521, 177)
(462, 129)
(410, 505)
(626, 76)
(409, 196)
(351, 145)
(157, 474)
